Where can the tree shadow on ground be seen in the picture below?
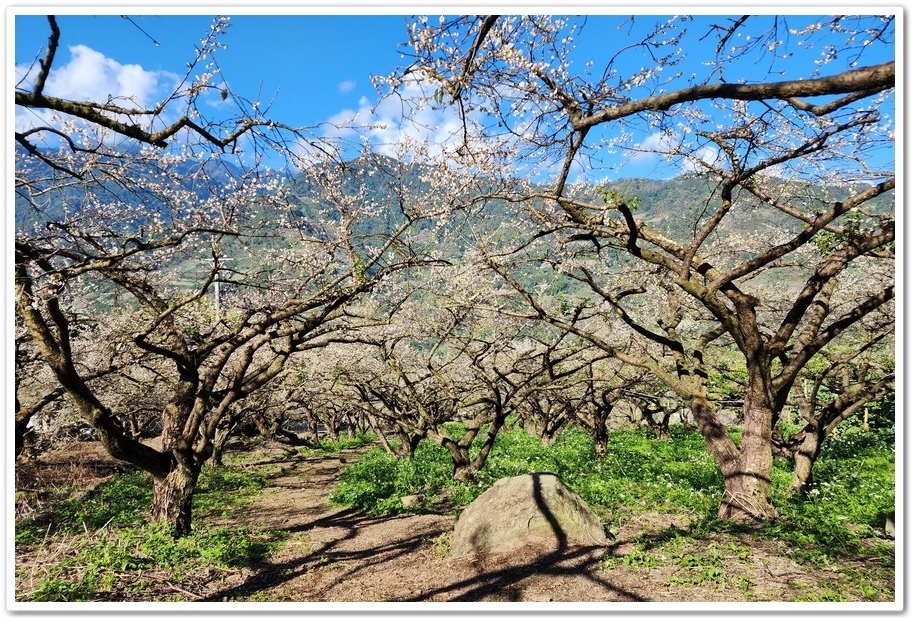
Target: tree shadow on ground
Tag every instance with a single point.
(492, 579)
(504, 580)
(462, 579)
(272, 575)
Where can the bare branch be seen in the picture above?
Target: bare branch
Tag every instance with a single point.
(880, 77)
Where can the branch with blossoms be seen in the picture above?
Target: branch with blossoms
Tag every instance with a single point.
(138, 123)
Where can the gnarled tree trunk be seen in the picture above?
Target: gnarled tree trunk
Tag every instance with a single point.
(173, 496)
(747, 471)
(600, 433)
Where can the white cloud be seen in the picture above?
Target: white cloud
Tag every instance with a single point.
(346, 86)
(397, 119)
(91, 76)
(652, 146)
(706, 154)
(676, 147)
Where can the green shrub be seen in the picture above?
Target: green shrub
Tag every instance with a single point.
(56, 589)
(429, 470)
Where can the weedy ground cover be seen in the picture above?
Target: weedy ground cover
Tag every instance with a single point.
(642, 475)
(637, 470)
(99, 545)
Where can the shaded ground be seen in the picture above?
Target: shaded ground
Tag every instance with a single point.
(338, 555)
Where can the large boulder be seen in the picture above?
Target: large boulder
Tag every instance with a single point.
(523, 511)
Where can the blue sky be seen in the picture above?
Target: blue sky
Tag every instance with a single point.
(314, 68)
(319, 63)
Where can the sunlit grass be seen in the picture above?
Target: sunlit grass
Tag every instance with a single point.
(643, 474)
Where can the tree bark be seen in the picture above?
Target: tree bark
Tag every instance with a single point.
(804, 456)
(21, 430)
(746, 498)
(173, 496)
(219, 444)
(749, 485)
(747, 472)
(661, 427)
(462, 470)
(600, 434)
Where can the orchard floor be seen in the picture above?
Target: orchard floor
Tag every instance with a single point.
(334, 554)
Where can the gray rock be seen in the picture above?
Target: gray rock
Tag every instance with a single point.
(411, 501)
(532, 509)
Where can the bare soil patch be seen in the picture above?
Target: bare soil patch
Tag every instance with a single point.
(336, 554)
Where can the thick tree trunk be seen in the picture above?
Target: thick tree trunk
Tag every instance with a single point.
(534, 428)
(749, 486)
(172, 498)
(409, 443)
(26, 444)
(22, 433)
(310, 434)
(746, 471)
(267, 427)
(600, 433)
(661, 427)
(219, 444)
(462, 469)
(746, 498)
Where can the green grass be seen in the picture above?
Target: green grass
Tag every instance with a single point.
(327, 445)
(669, 475)
(112, 551)
(829, 529)
(112, 548)
(222, 489)
(643, 474)
(853, 491)
(377, 482)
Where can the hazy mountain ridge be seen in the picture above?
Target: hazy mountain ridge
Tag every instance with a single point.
(659, 203)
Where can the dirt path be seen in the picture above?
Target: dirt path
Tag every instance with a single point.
(335, 554)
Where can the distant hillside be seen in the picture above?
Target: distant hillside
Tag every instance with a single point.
(55, 198)
(675, 205)
(672, 205)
